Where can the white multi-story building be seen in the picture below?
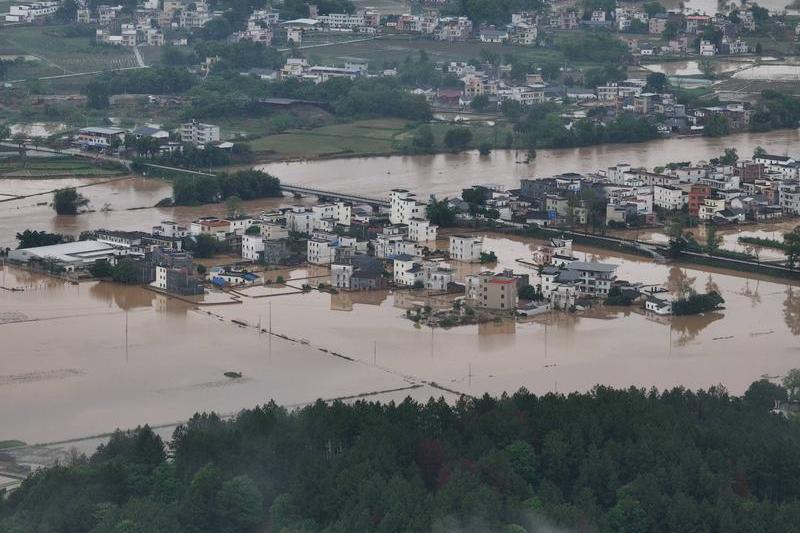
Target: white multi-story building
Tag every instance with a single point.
(300, 220)
(707, 48)
(321, 249)
(343, 20)
(407, 270)
(252, 246)
(171, 229)
(420, 230)
(436, 275)
(404, 207)
(667, 197)
(272, 231)
(198, 133)
(790, 198)
(390, 245)
(31, 12)
(466, 248)
(338, 211)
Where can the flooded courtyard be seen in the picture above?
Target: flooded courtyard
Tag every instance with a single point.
(81, 360)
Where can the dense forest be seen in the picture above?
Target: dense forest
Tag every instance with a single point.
(604, 461)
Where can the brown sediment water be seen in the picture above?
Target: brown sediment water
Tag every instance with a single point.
(447, 174)
(68, 371)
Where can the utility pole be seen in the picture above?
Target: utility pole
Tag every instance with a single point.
(375, 353)
(270, 330)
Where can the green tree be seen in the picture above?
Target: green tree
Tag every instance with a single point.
(791, 381)
(32, 239)
(791, 242)
(101, 269)
(240, 505)
(440, 213)
(653, 8)
(759, 152)
(422, 140)
(68, 200)
(763, 394)
(730, 157)
(480, 102)
(657, 82)
(716, 126)
(233, 206)
(458, 139)
(125, 271)
(205, 246)
(485, 148)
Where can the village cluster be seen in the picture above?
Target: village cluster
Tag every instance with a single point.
(377, 244)
(147, 24)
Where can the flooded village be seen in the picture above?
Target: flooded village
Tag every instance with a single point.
(391, 295)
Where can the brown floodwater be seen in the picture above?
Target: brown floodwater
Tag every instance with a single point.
(68, 371)
(447, 174)
(122, 205)
(118, 204)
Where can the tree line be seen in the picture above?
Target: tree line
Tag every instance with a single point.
(244, 184)
(608, 460)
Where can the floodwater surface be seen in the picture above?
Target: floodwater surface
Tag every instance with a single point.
(81, 360)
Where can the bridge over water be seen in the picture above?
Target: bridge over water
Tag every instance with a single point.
(341, 196)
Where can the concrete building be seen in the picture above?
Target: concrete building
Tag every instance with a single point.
(31, 12)
(404, 207)
(407, 270)
(100, 137)
(421, 230)
(198, 133)
(359, 272)
(70, 256)
(437, 275)
(668, 197)
(493, 291)
(340, 212)
(790, 198)
(466, 248)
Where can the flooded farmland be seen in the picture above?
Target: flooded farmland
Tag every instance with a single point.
(81, 360)
(71, 370)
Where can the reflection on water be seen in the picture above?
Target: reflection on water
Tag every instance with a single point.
(345, 300)
(791, 310)
(689, 327)
(679, 283)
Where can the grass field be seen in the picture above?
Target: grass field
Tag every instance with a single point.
(50, 167)
(385, 7)
(357, 138)
(395, 49)
(58, 54)
(365, 137)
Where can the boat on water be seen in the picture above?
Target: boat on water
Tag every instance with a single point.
(233, 375)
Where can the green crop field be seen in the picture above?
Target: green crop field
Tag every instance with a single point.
(50, 167)
(61, 55)
(358, 138)
(395, 49)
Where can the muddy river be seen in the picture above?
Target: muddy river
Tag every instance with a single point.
(447, 174)
(80, 360)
